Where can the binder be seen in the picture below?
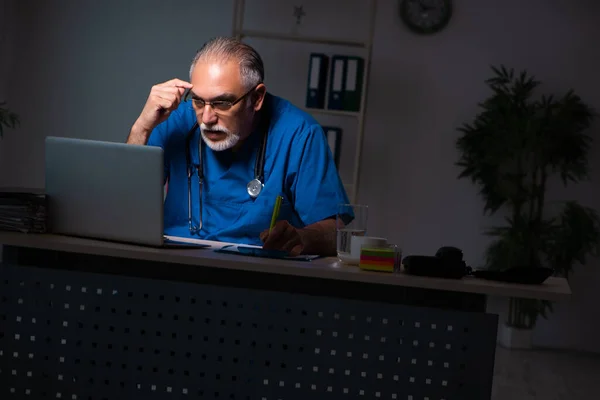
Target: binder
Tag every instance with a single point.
(317, 80)
(334, 139)
(353, 83)
(337, 83)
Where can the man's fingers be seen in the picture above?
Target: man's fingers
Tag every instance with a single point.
(272, 236)
(166, 98)
(164, 104)
(172, 98)
(168, 92)
(264, 235)
(279, 237)
(273, 241)
(292, 244)
(280, 228)
(168, 89)
(162, 92)
(296, 250)
(171, 93)
(177, 82)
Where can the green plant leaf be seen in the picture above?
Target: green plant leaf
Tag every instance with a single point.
(575, 236)
(488, 142)
(514, 144)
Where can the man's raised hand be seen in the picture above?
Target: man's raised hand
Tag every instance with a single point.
(162, 100)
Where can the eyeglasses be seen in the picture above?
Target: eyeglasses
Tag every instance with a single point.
(217, 105)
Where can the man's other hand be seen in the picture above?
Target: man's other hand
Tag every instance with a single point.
(283, 237)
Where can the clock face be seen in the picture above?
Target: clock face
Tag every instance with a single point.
(426, 16)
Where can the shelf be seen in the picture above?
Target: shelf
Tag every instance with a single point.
(367, 44)
(300, 38)
(325, 111)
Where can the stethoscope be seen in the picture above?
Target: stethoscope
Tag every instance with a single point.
(254, 187)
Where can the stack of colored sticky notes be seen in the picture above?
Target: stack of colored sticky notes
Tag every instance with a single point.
(377, 259)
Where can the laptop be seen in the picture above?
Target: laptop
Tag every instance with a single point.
(107, 190)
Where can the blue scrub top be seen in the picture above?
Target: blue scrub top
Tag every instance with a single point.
(298, 165)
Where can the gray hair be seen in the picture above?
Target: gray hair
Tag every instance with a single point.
(252, 70)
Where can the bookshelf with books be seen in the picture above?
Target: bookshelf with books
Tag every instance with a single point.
(343, 63)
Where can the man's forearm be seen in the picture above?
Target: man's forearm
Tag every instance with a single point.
(320, 238)
(138, 135)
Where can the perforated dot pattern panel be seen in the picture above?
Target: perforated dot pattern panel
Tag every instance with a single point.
(75, 335)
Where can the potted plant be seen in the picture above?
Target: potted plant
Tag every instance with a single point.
(516, 143)
(8, 118)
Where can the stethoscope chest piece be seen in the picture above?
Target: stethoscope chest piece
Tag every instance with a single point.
(254, 187)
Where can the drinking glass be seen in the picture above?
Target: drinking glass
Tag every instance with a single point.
(351, 220)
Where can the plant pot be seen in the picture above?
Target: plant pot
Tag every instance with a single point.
(515, 338)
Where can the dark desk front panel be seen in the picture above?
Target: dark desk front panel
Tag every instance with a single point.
(67, 334)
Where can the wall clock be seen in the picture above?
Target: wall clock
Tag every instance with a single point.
(425, 16)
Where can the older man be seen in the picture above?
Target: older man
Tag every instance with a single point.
(231, 148)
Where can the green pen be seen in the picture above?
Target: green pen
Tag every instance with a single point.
(275, 212)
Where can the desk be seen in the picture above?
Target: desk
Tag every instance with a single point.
(87, 319)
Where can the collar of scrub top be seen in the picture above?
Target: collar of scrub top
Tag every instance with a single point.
(253, 187)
